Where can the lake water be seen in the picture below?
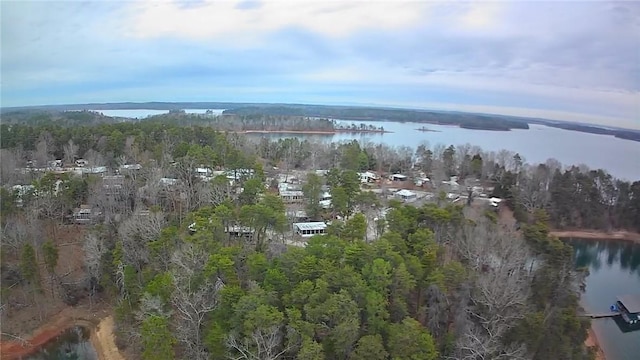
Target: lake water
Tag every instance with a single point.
(614, 269)
(73, 344)
(619, 157)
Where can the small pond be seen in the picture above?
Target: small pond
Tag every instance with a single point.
(73, 344)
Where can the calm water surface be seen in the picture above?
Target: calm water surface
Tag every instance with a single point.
(619, 157)
(614, 269)
(73, 344)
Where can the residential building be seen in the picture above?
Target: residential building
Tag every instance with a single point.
(308, 229)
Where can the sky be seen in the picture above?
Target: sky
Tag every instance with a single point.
(565, 60)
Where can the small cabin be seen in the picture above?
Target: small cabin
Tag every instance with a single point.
(84, 215)
(308, 229)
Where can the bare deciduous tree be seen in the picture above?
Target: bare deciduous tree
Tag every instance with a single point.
(194, 297)
(501, 259)
(263, 344)
(136, 232)
(70, 151)
(94, 158)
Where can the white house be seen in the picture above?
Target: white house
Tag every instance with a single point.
(130, 167)
(406, 195)
(308, 229)
(367, 177)
(168, 181)
(398, 177)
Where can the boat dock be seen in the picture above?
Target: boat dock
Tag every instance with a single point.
(626, 306)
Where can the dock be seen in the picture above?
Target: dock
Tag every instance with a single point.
(626, 306)
(601, 315)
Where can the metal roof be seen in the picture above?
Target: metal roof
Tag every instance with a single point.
(405, 193)
(310, 225)
(630, 302)
(291, 193)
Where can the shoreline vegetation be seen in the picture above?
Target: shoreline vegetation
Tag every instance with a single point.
(598, 235)
(471, 121)
(593, 343)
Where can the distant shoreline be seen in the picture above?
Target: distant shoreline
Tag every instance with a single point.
(311, 132)
(598, 235)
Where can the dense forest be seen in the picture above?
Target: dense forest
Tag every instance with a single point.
(438, 280)
(464, 120)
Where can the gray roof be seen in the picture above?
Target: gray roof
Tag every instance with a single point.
(310, 226)
(631, 302)
(291, 193)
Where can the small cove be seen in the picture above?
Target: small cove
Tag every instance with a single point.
(614, 269)
(72, 344)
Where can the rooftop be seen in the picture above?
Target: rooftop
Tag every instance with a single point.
(310, 225)
(405, 193)
(631, 302)
(291, 193)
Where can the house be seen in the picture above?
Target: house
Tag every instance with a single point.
(20, 191)
(55, 164)
(325, 204)
(291, 196)
(81, 163)
(422, 181)
(325, 196)
(308, 229)
(368, 177)
(237, 174)
(297, 215)
(113, 184)
(406, 195)
(168, 181)
(131, 167)
(452, 183)
(398, 177)
(95, 170)
(322, 172)
(240, 231)
(84, 215)
(201, 171)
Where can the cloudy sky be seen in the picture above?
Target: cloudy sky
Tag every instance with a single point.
(574, 60)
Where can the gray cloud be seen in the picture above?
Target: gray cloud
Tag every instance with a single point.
(576, 56)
